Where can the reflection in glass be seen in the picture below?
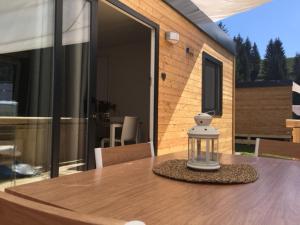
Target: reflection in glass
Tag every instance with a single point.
(26, 52)
(76, 36)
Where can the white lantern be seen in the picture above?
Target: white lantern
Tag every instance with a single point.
(203, 144)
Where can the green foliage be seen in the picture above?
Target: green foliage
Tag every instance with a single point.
(296, 68)
(274, 66)
(255, 62)
(247, 60)
(239, 52)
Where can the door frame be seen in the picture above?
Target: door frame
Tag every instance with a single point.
(154, 75)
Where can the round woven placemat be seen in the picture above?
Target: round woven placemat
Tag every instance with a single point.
(227, 174)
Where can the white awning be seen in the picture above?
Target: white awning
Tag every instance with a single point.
(220, 9)
(296, 88)
(29, 24)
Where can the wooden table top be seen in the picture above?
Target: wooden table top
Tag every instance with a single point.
(131, 191)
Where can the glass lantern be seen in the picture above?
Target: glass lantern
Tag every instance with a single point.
(203, 144)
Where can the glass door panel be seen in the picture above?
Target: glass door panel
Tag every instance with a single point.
(26, 53)
(74, 93)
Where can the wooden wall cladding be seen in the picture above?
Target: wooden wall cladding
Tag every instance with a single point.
(180, 93)
(263, 110)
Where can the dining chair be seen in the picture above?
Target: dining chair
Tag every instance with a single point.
(121, 154)
(19, 211)
(277, 149)
(129, 132)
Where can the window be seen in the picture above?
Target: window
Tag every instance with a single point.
(212, 85)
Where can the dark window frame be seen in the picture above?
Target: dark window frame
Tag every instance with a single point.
(218, 111)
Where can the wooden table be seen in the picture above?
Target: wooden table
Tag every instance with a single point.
(131, 191)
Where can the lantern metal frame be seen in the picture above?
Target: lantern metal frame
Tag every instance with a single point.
(203, 141)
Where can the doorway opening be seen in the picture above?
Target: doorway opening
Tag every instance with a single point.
(125, 78)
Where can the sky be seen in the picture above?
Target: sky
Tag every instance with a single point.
(280, 18)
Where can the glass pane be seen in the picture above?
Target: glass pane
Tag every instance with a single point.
(209, 77)
(26, 52)
(76, 36)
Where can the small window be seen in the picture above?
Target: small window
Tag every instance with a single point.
(212, 85)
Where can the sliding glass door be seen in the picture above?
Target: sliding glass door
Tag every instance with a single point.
(26, 74)
(75, 85)
(46, 69)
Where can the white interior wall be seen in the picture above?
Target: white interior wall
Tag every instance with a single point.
(124, 80)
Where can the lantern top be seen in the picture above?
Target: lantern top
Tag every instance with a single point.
(203, 128)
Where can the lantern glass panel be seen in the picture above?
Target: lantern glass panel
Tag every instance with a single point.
(214, 152)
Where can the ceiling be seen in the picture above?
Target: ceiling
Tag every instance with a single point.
(116, 28)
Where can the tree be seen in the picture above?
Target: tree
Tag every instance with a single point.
(267, 64)
(255, 62)
(248, 46)
(223, 27)
(243, 65)
(274, 67)
(280, 66)
(238, 68)
(296, 68)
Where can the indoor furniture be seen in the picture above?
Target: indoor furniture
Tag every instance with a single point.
(129, 132)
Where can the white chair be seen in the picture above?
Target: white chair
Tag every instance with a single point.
(129, 132)
(121, 154)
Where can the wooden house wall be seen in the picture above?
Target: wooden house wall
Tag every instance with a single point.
(180, 94)
(263, 110)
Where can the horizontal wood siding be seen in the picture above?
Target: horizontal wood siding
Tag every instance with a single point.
(180, 93)
(263, 110)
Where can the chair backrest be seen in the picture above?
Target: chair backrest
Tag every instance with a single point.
(18, 211)
(279, 149)
(129, 130)
(121, 154)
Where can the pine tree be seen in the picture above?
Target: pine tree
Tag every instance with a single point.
(238, 68)
(248, 47)
(267, 64)
(274, 67)
(296, 68)
(255, 62)
(267, 69)
(245, 60)
(280, 66)
(243, 63)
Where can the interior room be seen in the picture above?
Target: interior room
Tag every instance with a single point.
(124, 77)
